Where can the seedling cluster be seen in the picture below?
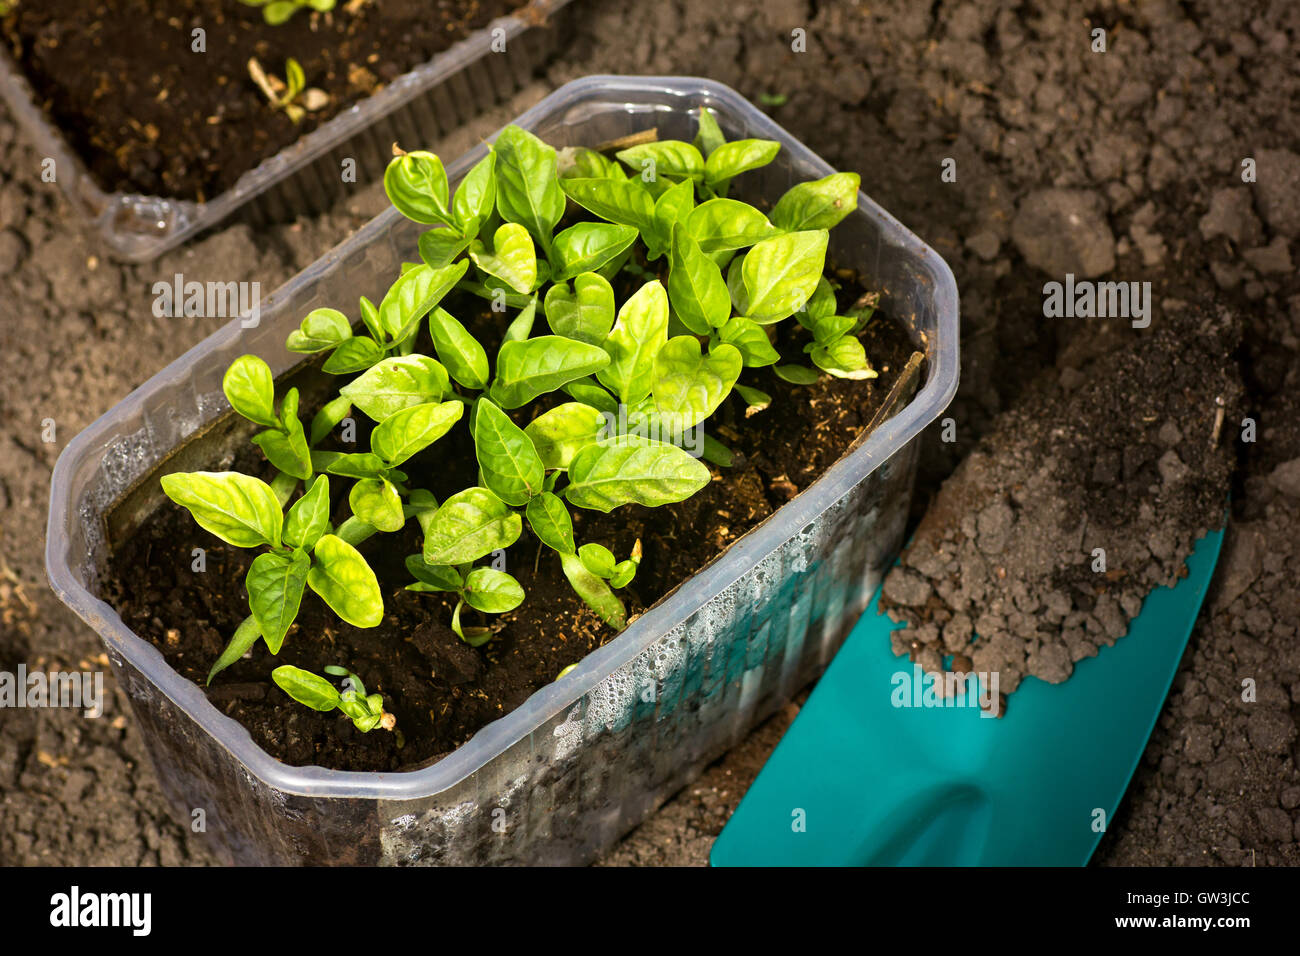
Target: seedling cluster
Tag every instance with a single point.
(560, 411)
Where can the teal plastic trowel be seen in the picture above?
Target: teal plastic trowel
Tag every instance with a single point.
(867, 775)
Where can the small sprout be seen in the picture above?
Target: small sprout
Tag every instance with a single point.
(276, 12)
(366, 711)
(290, 94)
(773, 99)
(565, 671)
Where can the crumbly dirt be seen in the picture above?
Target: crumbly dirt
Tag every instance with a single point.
(168, 118)
(1085, 495)
(1128, 162)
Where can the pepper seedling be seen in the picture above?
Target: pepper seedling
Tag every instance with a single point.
(577, 400)
(276, 12)
(290, 94)
(366, 711)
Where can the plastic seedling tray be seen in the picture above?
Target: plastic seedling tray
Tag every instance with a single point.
(589, 756)
(420, 106)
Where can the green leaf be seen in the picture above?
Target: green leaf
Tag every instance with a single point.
(250, 389)
(666, 157)
(376, 502)
(695, 286)
(539, 365)
(345, 582)
(827, 329)
(275, 584)
(640, 332)
(476, 196)
(796, 374)
(413, 429)
(246, 635)
(513, 258)
(562, 432)
(321, 329)
(622, 201)
(528, 190)
(709, 136)
(780, 274)
(587, 246)
(630, 470)
(550, 521)
(673, 207)
(309, 518)
(754, 345)
(589, 393)
(459, 351)
(510, 465)
(416, 184)
(362, 464)
(843, 357)
(594, 592)
(324, 421)
(822, 304)
(397, 383)
(623, 574)
(492, 591)
(521, 326)
(287, 449)
(370, 318)
(579, 162)
(357, 353)
(689, 386)
(721, 225)
(755, 398)
(239, 509)
(820, 204)
(440, 247)
(742, 155)
(306, 688)
(597, 559)
(473, 636)
(469, 525)
(432, 577)
(410, 298)
(585, 313)
(294, 80)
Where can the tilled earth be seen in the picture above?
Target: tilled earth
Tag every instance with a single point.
(1123, 165)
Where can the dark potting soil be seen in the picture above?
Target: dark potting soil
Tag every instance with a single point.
(441, 690)
(147, 114)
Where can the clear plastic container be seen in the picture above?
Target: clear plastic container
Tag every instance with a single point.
(420, 106)
(589, 756)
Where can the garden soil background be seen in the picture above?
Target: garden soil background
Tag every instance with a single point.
(1120, 165)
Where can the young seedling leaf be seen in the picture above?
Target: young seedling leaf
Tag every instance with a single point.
(329, 416)
(597, 559)
(239, 509)
(528, 190)
(843, 357)
(780, 274)
(353, 355)
(322, 329)
(416, 184)
(563, 431)
(513, 258)
(752, 341)
(492, 591)
(275, 584)
(585, 313)
(309, 518)
(476, 196)
(361, 464)
(796, 374)
(413, 429)
(246, 635)
(695, 286)
(622, 201)
(410, 298)
(550, 521)
(510, 465)
(376, 502)
(630, 470)
(539, 365)
(470, 524)
(670, 158)
(461, 354)
(732, 159)
(640, 332)
(396, 383)
(250, 389)
(306, 688)
(439, 248)
(594, 591)
(432, 577)
(721, 225)
(709, 137)
(588, 246)
(340, 575)
(821, 204)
